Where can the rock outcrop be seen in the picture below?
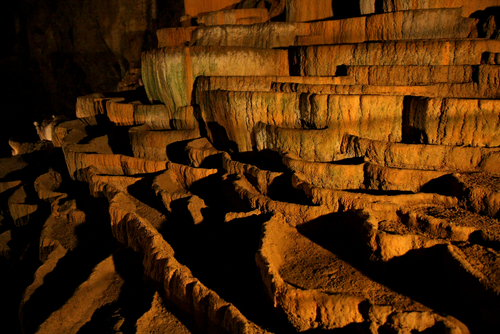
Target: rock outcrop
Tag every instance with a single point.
(287, 167)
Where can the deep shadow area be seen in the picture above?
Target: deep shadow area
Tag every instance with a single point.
(446, 185)
(119, 141)
(13, 281)
(342, 234)
(436, 279)
(134, 300)
(95, 243)
(345, 9)
(281, 189)
(222, 255)
(489, 21)
(431, 276)
(294, 60)
(176, 152)
(220, 139)
(263, 159)
(18, 270)
(142, 191)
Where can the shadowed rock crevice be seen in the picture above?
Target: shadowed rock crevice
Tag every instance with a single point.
(134, 299)
(432, 276)
(94, 244)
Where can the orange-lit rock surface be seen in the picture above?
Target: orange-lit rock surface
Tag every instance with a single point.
(469, 7)
(280, 167)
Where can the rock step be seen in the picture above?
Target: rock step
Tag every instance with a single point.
(159, 320)
(332, 162)
(258, 116)
(464, 91)
(376, 75)
(418, 113)
(425, 157)
(323, 60)
(180, 66)
(478, 192)
(244, 16)
(312, 295)
(363, 176)
(404, 25)
(121, 112)
(304, 10)
(131, 219)
(470, 81)
(170, 73)
(156, 144)
(203, 306)
(468, 6)
(244, 116)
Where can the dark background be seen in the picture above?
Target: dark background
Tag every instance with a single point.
(56, 50)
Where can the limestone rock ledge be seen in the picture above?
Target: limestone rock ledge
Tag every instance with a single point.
(315, 297)
(282, 166)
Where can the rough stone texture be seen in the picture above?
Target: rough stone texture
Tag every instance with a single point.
(464, 91)
(102, 288)
(155, 116)
(159, 320)
(303, 10)
(154, 144)
(5, 238)
(46, 185)
(21, 210)
(452, 121)
(198, 150)
(343, 200)
(293, 213)
(174, 36)
(432, 81)
(468, 7)
(327, 175)
(267, 35)
(263, 83)
(60, 229)
(425, 24)
(323, 60)
(26, 148)
(98, 154)
(179, 284)
(411, 75)
(91, 105)
(262, 180)
(359, 194)
(174, 184)
(193, 7)
(169, 73)
(327, 296)
(251, 119)
(421, 156)
(79, 48)
(49, 264)
(234, 17)
(478, 191)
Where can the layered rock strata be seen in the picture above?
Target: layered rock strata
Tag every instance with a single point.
(285, 176)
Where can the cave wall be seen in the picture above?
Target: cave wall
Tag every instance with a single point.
(54, 51)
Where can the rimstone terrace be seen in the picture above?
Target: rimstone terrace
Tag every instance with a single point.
(276, 167)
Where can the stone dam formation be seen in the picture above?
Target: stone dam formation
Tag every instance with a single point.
(270, 167)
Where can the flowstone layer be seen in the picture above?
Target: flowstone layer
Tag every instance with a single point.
(282, 170)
